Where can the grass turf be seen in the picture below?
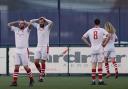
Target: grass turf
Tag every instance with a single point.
(64, 83)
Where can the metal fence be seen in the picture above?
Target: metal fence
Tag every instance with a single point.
(71, 20)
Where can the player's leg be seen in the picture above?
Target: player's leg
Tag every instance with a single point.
(37, 58)
(37, 64)
(115, 66)
(94, 64)
(100, 75)
(113, 60)
(100, 59)
(107, 68)
(25, 62)
(94, 73)
(15, 75)
(16, 69)
(42, 74)
(29, 73)
(43, 63)
(106, 64)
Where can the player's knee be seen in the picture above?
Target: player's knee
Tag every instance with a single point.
(26, 67)
(93, 66)
(100, 66)
(36, 61)
(106, 61)
(43, 61)
(16, 69)
(113, 59)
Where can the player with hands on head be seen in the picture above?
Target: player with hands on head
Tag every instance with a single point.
(43, 27)
(22, 30)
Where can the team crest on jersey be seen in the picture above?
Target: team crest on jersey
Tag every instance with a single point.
(20, 34)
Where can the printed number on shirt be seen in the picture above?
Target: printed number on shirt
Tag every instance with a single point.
(95, 35)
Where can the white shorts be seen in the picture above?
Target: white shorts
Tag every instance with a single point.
(42, 53)
(21, 56)
(98, 57)
(109, 54)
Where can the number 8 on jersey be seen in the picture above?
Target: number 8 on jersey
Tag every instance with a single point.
(95, 35)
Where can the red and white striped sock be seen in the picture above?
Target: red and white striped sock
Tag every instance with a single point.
(42, 70)
(107, 68)
(100, 74)
(29, 74)
(93, 74)
(15, 75)
(115, 66)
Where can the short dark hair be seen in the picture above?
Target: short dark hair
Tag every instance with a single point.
(42, 19)
(97, 22)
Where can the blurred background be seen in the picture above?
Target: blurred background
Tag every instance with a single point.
(72, 18)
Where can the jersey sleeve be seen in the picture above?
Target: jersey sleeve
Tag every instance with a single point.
(35, 24)
(50, 24)
(27, 29)
(116, 36)
(86, 34)
(13, 28)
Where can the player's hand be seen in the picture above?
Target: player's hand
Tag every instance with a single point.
(25, 21)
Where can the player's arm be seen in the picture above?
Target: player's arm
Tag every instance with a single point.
(86, 41)
(84, 38)
(107, 37)
(106, 40)
(116, 39)
(28, 24)
(49, 22)
(13, 23)
(34, 20)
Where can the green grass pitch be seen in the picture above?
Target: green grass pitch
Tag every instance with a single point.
(64, 83)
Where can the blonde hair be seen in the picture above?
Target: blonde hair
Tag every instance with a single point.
(110, 28)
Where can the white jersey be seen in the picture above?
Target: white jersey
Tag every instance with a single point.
(43, 34)
(110, 45)
(96, 36)
(21, 37)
